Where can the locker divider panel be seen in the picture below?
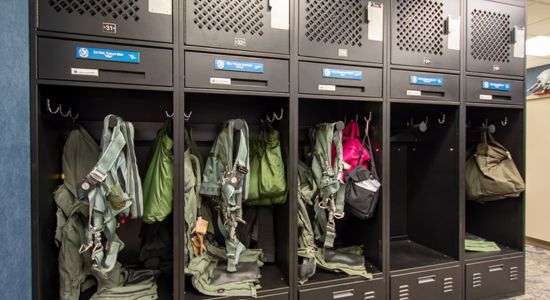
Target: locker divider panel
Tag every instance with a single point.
(492, 90)
(412, 85)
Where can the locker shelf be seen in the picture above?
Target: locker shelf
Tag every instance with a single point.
(408, 254)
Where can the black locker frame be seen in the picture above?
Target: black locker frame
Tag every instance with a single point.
(294, 56)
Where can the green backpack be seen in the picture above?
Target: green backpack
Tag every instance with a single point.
(267, 169)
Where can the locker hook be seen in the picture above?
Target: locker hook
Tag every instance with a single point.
(370, 117)
(50, 108)
(469, 124)
(411, 123)
(442, 119)
(188, 116)
(59, 111)
(275, 117)
(505, 122)
(169, 115)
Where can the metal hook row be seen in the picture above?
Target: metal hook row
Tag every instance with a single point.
(485, 123)
(59, 111)
(185, 117)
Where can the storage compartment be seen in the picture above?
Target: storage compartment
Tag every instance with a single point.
(341, 80)
(424, 86)
(424, 183)
(350, 30)
(95, 62)
(213, 71)
(500, 221)
(350, 230)
(208, 112)
(146, 111)
(491, 90)
(495, 279)
(128, 19)
(496, 38)
(360, 290)
(253, 25)
(438, 284)
(426, 33)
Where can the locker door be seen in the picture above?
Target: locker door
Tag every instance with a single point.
(496, 38)
(346, 29)
(426, 33)
(254, 25)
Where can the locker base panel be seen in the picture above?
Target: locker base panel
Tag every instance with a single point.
(406, 254)
(273, 283)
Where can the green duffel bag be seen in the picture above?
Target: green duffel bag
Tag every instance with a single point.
(267, 169)
(158, 183)
(491, 173)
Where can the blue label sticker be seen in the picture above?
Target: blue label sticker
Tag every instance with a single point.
(108, 55)
(239, 66)
(497, 86)
(342, 74)
(427, 80)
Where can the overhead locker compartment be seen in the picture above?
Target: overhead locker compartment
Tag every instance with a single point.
(426, 33)
(108, 63)
(253, 25)
(497, 91)
(424, 86)
(148, 20)
(340, 80)
(348, 29)
(496, 38)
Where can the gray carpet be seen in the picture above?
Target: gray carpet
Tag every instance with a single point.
(537, 268)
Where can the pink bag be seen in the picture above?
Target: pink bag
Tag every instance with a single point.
(352, 146)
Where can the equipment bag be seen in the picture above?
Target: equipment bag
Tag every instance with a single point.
(353, 150)
(226, 180)
(362, 187)
(307, 191)
(491, 173)
(267, 170)
(159, 179)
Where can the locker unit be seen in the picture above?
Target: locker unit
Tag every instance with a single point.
(411, 85)
(99, 62)
(328, 79)
(441, 284)
(502, 278)
(127, 19)
(213, 71)
(492, 90)
(426, 33)
(424, 185)
(495, 38)
(349, 30)
(252, 25)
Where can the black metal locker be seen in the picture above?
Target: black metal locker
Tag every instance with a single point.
(426, 33)
(253, 25)
(148, 20)
(343, 29)
(496, 38)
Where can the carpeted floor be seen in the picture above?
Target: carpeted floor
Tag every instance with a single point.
(537, 268)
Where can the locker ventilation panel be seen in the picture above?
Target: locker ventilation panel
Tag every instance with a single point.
(514, 275)
(420, 25)
(236, 17)
(448, 285)
(476, 280)
(404, 292)
(370, 295)
(115, 9)
(335, 22)
(490, 36)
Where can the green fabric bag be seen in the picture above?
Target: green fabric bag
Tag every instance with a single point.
(491, 173)
(159, 180)
(267, 169)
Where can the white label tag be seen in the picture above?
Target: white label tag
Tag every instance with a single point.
(485, 97)
(375, 26)
(160, 7)
(519, 46)
(327, 87)
(280, 17)
(218, 80)
(372, 185)
(85, 72)
(414, 93)
(343, 52)
(454, 33)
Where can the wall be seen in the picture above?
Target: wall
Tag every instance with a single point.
(15, 217)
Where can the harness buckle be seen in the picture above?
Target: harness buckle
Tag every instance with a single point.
(97, 176)
(339, 215)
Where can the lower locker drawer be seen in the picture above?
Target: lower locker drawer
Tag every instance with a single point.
(495, 278)
(280, 296)
(412, 85)
(359, 290)
(438, 284)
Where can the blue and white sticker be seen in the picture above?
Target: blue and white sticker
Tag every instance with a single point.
(342, 74)
(427, 80)
(108, 55)
(496, 86)
(238, 66)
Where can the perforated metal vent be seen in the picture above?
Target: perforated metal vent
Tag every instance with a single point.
(336, 22)
(420, 25)
(240, 17)
(116, 9)
(491, 36)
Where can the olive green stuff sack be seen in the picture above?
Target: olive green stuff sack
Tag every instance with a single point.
(491, 173)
